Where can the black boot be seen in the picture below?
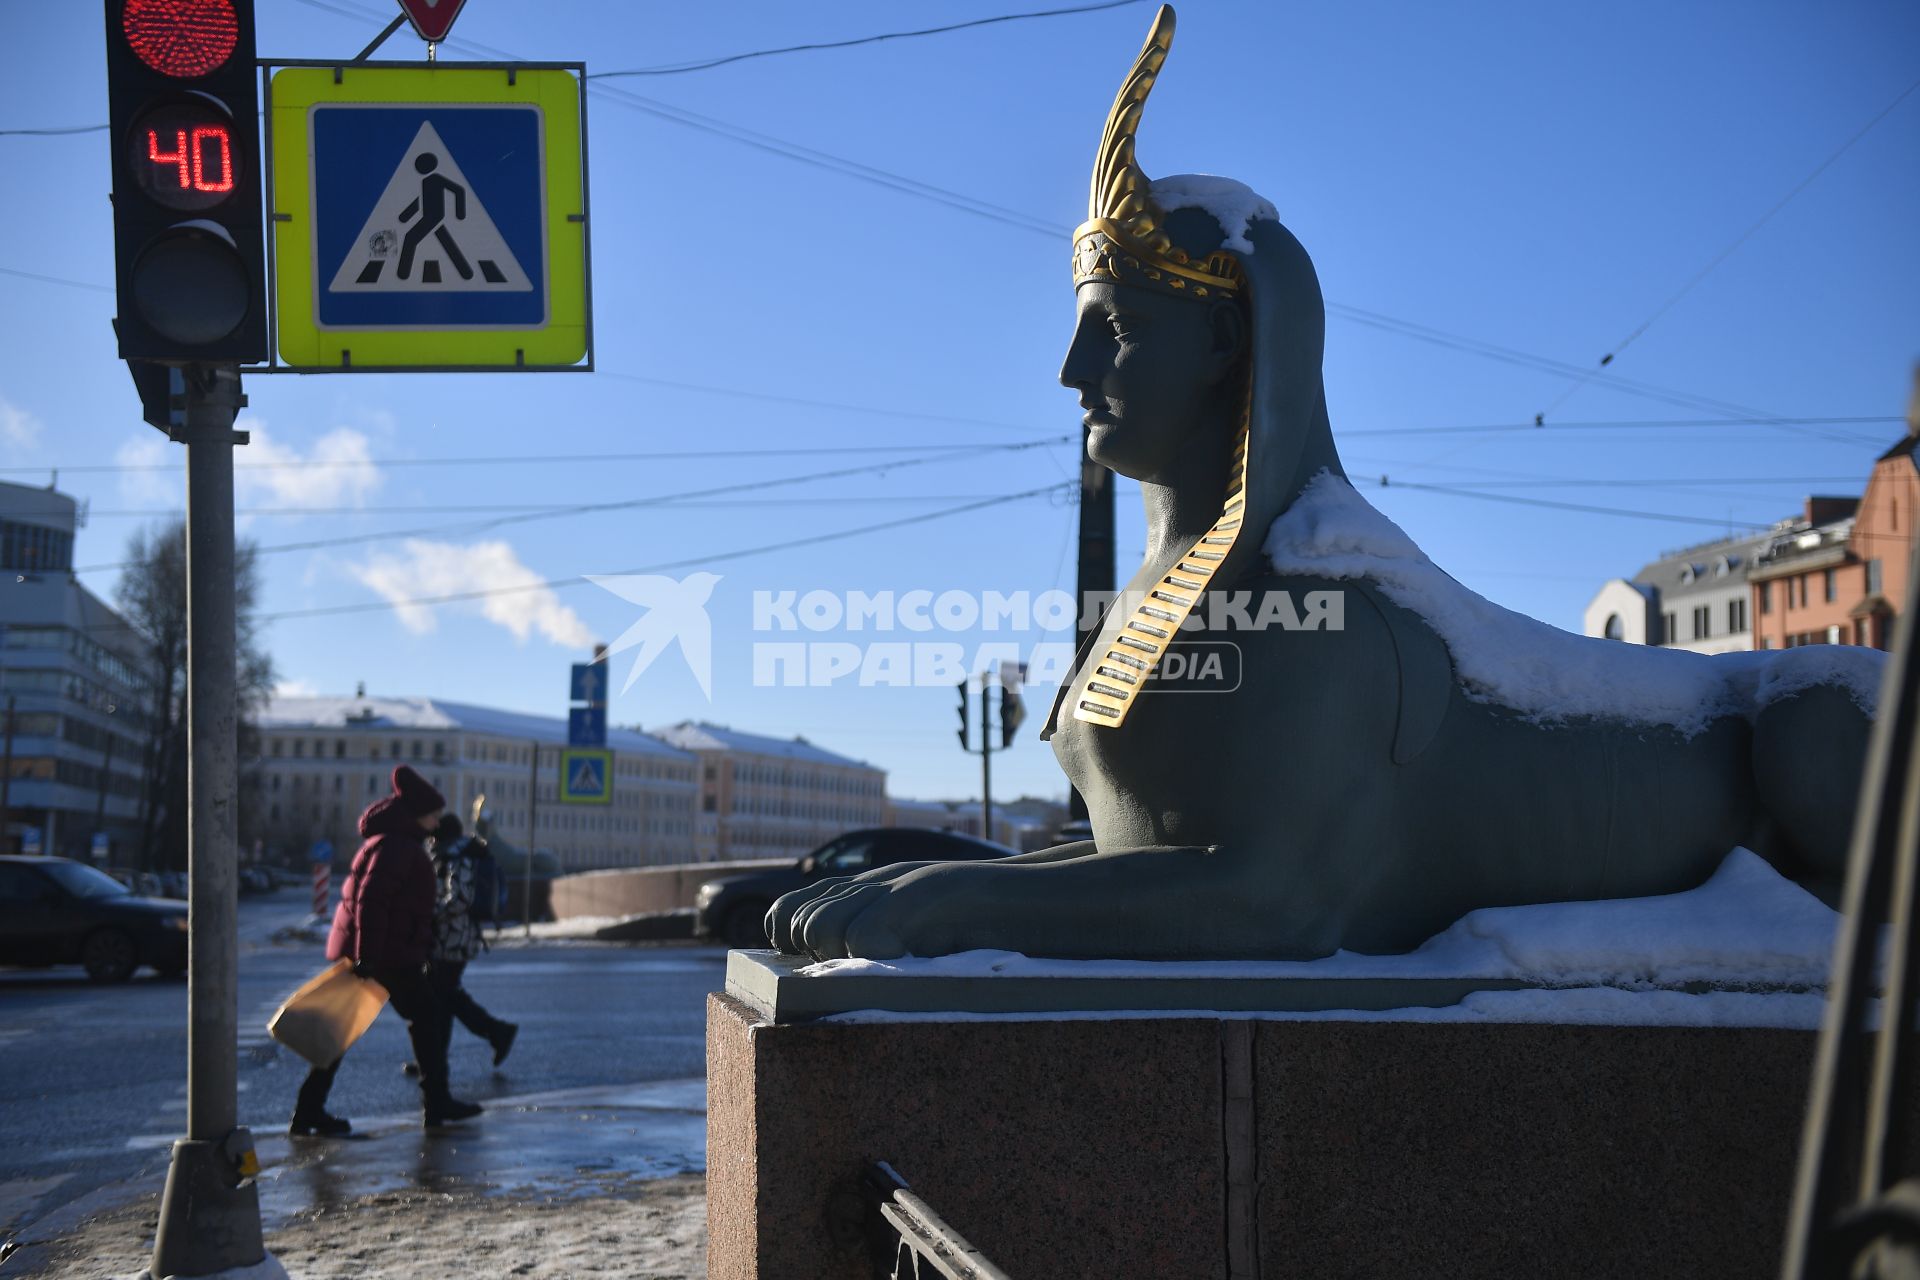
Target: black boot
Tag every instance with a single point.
(447, 1108)
(319, 1125)
(502, 1041)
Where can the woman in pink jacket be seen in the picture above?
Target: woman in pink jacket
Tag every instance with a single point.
(384, 924)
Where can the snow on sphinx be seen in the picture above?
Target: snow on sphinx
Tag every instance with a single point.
(1546, 674)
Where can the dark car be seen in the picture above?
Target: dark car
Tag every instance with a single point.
(734, 908)
(56, 911)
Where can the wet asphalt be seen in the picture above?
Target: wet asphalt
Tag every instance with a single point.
(93, 1083)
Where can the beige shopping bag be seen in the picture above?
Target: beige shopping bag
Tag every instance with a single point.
(328, 1013)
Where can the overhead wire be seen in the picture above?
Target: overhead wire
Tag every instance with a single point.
(525, 459)
(1694, 280)
(717, 557)
(470, 527)
(682, 68)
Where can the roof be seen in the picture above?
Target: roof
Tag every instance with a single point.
(697, 735)
(1903, 448)
(1668, 574)
(434, 713)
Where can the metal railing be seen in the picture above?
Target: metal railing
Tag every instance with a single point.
(908, 1240)
(1854, 1214)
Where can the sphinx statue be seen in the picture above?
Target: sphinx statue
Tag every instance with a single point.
(1362, 785)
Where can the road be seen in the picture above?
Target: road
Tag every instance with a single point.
(95, 1076)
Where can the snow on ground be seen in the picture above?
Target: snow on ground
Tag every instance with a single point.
(1761, 943)
(1545, 673)
(657, 1233)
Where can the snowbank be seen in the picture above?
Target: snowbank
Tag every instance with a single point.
(1545, 673)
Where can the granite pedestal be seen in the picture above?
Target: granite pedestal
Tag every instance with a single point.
(1178, 1145)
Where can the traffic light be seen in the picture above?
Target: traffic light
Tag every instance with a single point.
(1013, 708)
(184, 106)
(965, 722)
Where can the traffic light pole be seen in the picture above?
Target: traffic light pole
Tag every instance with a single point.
(986, 766)
(210, 1213)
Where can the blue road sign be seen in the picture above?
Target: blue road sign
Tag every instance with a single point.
(587, 726)
(428, 216)
(589, 683)
(586, 776)
(322, 851)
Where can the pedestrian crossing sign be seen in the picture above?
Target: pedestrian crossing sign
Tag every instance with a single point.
(586, 776)
(429, 216)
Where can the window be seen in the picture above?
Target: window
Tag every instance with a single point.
(1826, 586)
(1702, 621)
(1669, 629)
(299, 747)
(1833, 634)
(1736, 617)
(1873, 577)
(1766, 642)
(340, 744)
(274, 747)
(1766, 597)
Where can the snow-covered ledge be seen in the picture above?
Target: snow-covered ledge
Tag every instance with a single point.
(1747, 949)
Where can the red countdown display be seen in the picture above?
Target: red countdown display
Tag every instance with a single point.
(183, 156)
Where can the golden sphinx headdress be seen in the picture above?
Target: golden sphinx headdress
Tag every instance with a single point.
(1124, 239)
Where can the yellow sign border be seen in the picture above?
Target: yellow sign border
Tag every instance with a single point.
(568, 756)
(562, 342)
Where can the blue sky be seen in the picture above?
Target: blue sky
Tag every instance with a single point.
(1539, 178)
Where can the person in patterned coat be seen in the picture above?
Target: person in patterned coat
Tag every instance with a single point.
(457, 938)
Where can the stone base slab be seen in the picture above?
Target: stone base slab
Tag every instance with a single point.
(1202, 1147)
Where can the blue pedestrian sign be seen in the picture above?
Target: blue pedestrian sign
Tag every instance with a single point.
(587, 726)
(428, 217)
(589, 683)
(586, 776)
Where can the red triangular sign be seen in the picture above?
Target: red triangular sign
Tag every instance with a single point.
(432, 18)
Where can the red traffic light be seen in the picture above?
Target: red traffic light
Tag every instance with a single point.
(181, 38)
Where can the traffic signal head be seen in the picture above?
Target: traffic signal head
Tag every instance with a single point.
(184, 103)
(965, 721)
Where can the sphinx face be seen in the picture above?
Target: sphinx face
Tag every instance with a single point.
(1150, 370)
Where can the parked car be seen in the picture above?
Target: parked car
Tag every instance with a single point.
(734, 908)
(56, 911)
(146, 884)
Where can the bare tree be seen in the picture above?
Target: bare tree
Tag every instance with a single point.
(152, 597)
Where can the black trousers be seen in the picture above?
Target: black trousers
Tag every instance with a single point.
(445, 975)
(413, 998)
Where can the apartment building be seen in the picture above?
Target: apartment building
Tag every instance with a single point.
(324, 759)
(766, 797)
(76, 693)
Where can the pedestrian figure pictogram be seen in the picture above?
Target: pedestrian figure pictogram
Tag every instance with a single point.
(431, 204)
(586, 778)
(445, 239)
